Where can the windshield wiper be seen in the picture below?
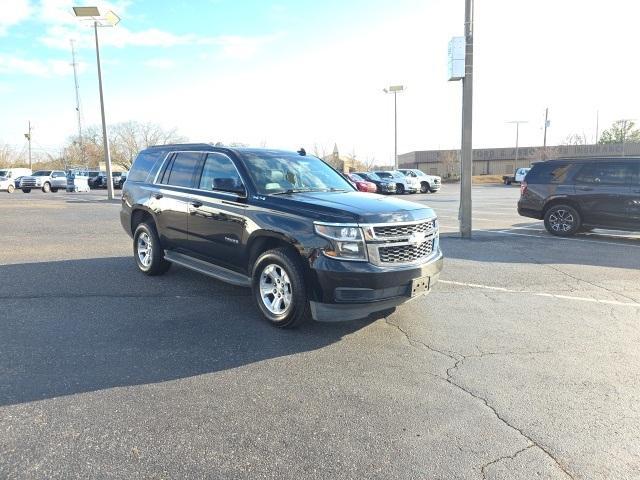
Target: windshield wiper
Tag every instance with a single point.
(293, 190)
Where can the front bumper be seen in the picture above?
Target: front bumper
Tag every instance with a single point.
(354, 290)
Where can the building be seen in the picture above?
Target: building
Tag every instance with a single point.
(340, 162)
(502, 161)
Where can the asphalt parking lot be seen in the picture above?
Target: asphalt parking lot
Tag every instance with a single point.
(522, 363)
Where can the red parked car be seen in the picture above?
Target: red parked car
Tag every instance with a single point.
(361, 184)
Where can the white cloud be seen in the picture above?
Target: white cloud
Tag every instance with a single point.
(160, 63)
(11, 64)
(14, 14)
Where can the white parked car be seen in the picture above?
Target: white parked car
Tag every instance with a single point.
(8, 177)
(426, 183)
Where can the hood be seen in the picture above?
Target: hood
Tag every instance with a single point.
(354, 206)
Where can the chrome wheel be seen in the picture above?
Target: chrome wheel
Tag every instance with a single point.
(561, 220)
(143, 247)
(275, 289)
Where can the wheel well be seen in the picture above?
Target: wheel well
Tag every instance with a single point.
(138, 217)
(261, 244)
(560, 201)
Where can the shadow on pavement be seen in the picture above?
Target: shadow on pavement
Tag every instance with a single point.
(536, 246)
(84, 325)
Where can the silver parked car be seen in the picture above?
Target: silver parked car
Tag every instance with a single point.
(47, 180)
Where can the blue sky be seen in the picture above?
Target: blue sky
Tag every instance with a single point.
(303, 73)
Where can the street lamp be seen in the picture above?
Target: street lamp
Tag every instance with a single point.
(517, 122)
(395, 89)
(109, 19)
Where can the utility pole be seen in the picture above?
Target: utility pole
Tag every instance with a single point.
(75, 79)
(105, 139)
(546, 124)
(466, 167)
(597, 125)
(395, 89)
(28, 137)
(517, 122)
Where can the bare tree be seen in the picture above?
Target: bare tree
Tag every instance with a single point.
(575, 139)
(8, 156)
(126, 139)
(451, 162)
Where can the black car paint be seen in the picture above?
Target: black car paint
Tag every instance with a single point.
(228, 226)
(600, 206)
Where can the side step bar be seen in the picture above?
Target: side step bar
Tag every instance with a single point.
(215, 271)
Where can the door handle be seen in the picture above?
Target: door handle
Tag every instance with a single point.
(196, 204)
(157, 196)
(585, 189)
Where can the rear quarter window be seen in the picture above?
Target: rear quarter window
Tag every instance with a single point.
(555, 172)
(146, 165)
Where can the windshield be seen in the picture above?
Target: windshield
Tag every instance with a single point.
(42, 173)
(5, 173)
(356, 178)
(384, 174)
(281, 172)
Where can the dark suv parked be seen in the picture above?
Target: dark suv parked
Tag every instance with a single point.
(580, 194)
(285, 224)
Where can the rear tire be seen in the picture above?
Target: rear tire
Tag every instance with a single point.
(147, 250)
(54, 190)
(279, 288)
(562, 220)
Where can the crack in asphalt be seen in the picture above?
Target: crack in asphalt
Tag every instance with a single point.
(500, 459)
(116, 295)
(606, 289)
(459, 360)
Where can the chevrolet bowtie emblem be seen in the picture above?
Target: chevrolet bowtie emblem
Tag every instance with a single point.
(417, 238)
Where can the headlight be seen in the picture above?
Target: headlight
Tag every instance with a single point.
(347, 242)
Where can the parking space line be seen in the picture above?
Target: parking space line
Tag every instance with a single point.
(549, 237)
(542, 294)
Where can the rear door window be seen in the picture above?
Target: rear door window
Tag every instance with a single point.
(597, 173)
(180, 173)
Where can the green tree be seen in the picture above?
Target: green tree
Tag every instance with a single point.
(621, 131)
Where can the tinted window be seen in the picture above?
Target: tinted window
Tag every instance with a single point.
(355, 177)
(384, 174)
(180, 172)
(145, 164)
(219, 173)
(42, 173)
(548, 172)
(597, 173)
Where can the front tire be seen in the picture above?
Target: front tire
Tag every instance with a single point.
(148, 251)
(10, 188)
(562, 220)
(26, 190)
(425, 187)
(46, 188)
(279, 288)
(400, 189)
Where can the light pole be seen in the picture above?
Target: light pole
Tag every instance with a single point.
(395, 89)
(110, 19)
(517, 122)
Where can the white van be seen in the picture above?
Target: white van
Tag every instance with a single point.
(8, 177)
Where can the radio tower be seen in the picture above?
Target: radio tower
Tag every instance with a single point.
(75, 79)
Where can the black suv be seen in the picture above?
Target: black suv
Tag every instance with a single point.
(283, 223)
(574, 195)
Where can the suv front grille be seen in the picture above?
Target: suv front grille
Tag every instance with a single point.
(396, 244)
(403, 230)
(405, 253)
(28, 182)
